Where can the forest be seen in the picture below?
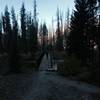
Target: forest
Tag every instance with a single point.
(74, 46)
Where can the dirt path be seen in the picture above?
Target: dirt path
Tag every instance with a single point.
(45, 85)
(51, 86)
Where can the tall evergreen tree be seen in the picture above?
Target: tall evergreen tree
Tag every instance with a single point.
(98, 28)
(35, 12)
(66, 30)
(7, 29)
(1, 45)
(41, 36)
(14, 28)
(33, 37)
(28, 30)
(23, 28)
(4, 30)
(91, 30)
(13, 52)
(45, 34)
(31, 30)
(78, 35)
(35, 27)
(59, 42)
(92, 19)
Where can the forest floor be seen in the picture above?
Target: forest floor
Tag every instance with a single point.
(45, 84)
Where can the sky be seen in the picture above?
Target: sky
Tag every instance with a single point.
(46, 8)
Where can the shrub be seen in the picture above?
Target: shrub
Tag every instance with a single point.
(72, 66)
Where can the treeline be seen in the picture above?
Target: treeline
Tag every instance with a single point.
(18, 38)
(11, 32)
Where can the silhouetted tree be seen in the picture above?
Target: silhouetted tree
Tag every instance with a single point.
(35, 27)
(41, 36)
(1, 45)
(59, 42)
(7, 29)
(66, 30)
(45, 34)
(91, 29)
(30, 32)
(78, 35)
(23, 28)
(28, 25)
(61, 22)
(35, 12)
(4, 31)
(13, 51)
(14, 29)
(98, 29)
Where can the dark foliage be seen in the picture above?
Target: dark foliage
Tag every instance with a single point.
(23, 28)
(78, 35)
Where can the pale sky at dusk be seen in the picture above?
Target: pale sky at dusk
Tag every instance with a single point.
(46, 8)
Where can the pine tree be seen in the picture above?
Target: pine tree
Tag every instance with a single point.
(91, 27)
(28, 24)
(30, 31)
(66, 30)
(35, 27)
(14, 28)
(78, 35)
(5, 37)
(13, 52)
(41, 36)
(1, 45)
(98, 29)
(33, 37)
(23, 28)
(35, 12)
(45, 34)
(59, 42)
(7, 29)
(92, 19)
